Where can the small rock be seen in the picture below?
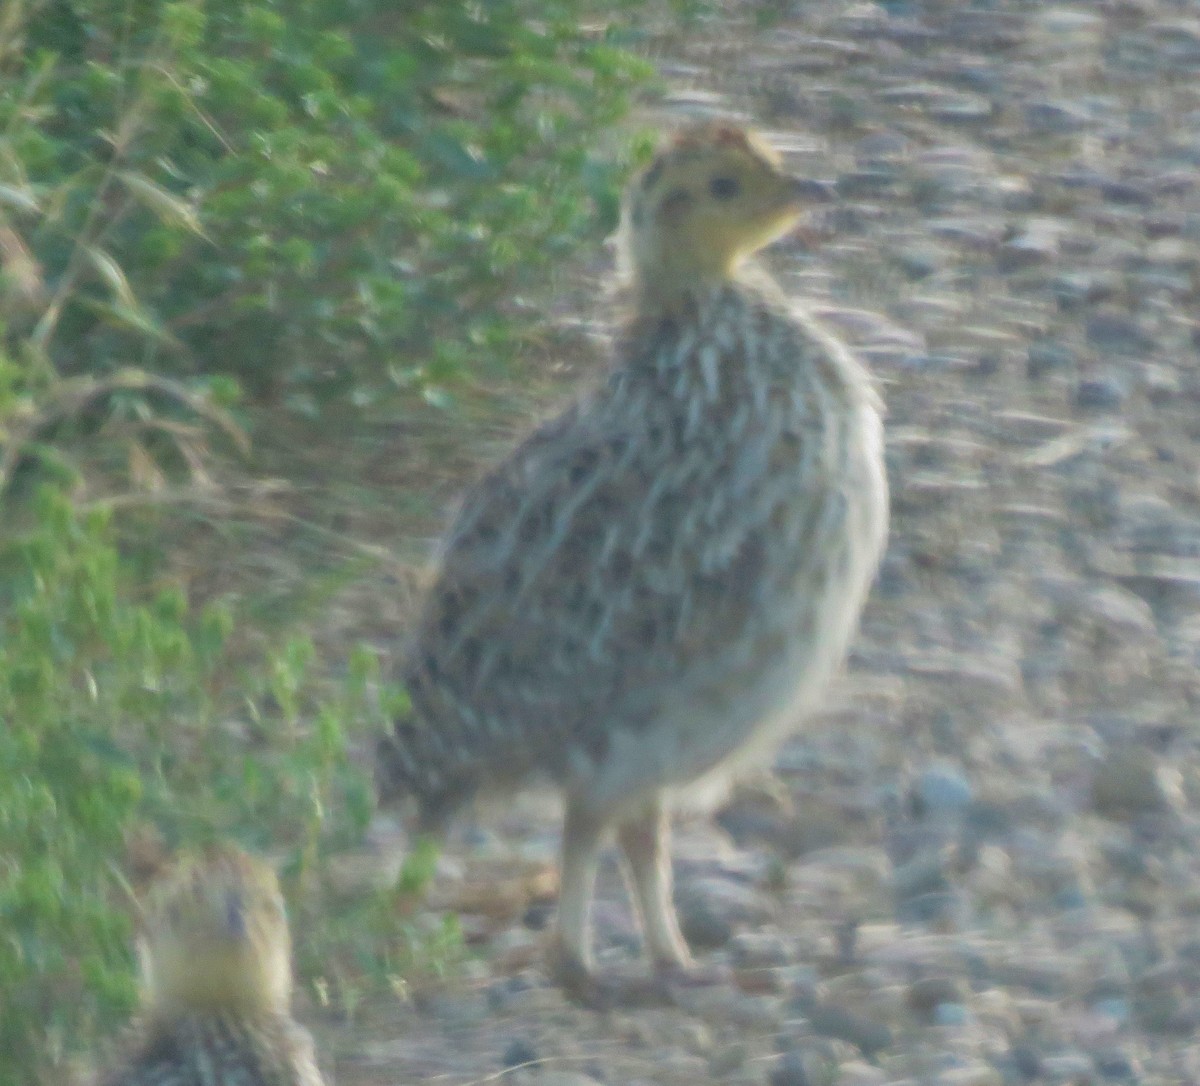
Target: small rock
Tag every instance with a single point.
(760, 950)
(1051, 118)
(923, 996)
(790, 1071)
(459, 1010)
(941, 790)
(1113, 1007)
(951, 1014)
(856, 1073)
(925, 873)
(975, 1074)
(727, 1059)
(1045, 356)
(1100, 393)
(711, 908)
(1113, 1064)
(867, 183)
(1074, 289)
(1161, 383)
(1073, 1068)
(1115, 333)
(1026, 1061)
(917, 262)
(830, 1020)
(1034, 246)
(518, 1053)
(1127, 783)
(538, 915)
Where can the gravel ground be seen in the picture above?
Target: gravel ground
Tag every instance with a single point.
(977, 865)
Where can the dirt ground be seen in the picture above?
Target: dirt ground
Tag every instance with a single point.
(978, 864)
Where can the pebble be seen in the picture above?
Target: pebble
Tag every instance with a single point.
(1116, 1065)
(518, 1053)
(1053, 118)
(924, 874)
(727, 1059)
(1072, 1068)
(1100, 393)
(951, 1014)
(860, 1074)
(942, 790)
(974, 1074)
(866, 1034)
(924, 996)
(1046, 356)
(1127, 783)
(760, 950)
(789, 1070)
(711, 909)
(1118, 334)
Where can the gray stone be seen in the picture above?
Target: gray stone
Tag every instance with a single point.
(1069, 1068)
(518, 1053)
(1117, 333)
(711, 908)
(867, 1034)
(1100, 393)
(1115, 1065)
(1127, 783)
(789, 1070)
(925, 995)
(1046, 356)
(951, 1014)
(941, 790)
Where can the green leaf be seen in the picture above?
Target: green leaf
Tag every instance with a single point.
(166, 205)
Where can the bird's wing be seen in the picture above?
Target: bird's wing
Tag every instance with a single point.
(611, 551)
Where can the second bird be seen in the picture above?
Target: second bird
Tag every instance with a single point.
(651, 591)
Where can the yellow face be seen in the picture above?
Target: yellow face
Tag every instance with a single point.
(713, 197)
(215, 936)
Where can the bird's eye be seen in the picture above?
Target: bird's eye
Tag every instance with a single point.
(724, 188)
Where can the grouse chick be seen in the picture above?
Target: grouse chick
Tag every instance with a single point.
(216, 982)
(651, 590)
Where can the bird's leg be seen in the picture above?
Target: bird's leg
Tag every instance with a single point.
(645, 842)
(582, 836)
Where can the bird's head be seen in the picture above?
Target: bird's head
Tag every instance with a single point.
(712, 197)
(214, 937)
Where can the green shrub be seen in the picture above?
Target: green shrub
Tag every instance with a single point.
(120, 707)
(326, 202)
(324, 199)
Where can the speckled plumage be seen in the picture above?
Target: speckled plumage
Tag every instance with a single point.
(651, 589)
(221, 1050)
(216, 982)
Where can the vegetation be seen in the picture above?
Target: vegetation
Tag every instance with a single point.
(214, 215)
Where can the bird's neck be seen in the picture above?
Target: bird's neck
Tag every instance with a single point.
(217, 985)
(661, 295)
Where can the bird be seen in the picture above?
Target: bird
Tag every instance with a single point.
(648, 594)
(214, 953)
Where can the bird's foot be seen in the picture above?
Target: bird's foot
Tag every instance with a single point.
(613, 988)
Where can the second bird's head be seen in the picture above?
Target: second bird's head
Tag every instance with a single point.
(215, 938)
(713, 196)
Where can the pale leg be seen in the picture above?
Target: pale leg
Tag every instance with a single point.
(582, 838)
(645, 841)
